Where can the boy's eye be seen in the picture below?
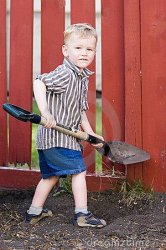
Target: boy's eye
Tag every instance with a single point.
(90, 49)
(78, 47)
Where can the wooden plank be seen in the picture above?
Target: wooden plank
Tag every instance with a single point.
(133, 88)
(21, 46)
(52, 27)
(3, 92)
(87, 9)
(153, 40)
(103, 183)
(19, 178)
(113, 102)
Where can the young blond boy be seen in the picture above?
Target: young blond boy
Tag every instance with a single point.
(61, 96)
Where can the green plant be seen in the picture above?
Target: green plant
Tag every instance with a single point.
(135, 193)
(63, 187)
(35, 162)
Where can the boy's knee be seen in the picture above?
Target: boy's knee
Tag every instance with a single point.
(53, 179)
(83, 174)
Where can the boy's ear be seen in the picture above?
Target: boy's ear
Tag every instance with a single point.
(64, 50)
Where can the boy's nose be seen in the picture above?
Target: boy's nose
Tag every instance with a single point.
(84, 52)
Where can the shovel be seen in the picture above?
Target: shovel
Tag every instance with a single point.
(115, 151)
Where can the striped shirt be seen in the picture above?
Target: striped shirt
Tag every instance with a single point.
(66, 92)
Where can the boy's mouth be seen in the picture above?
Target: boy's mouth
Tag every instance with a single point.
(84, 60)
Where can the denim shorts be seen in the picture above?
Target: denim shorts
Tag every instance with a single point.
(60, 162)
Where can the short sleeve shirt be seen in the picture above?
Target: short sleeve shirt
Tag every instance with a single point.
(66, 92)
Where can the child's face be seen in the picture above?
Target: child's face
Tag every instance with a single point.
(80, 50)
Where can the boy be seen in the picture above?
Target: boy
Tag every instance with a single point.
(61, 96)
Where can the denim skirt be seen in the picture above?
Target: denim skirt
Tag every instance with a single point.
(59, 161)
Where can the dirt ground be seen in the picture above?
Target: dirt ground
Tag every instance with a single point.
(142, 226)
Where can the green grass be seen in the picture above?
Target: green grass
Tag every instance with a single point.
(136, 193)
(98, 131)
(35, 162)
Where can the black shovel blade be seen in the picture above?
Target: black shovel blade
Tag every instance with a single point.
(21, 114)
(17, 112)
(123, 153)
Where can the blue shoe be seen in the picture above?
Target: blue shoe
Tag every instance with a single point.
(88, 220)
(33, 218)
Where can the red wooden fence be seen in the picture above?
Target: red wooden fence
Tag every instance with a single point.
(3, 92)
(113, 78)
(153, 51)
(21, 53)
(133, 81)
(133, 84)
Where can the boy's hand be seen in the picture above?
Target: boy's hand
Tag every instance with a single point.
(98, 145)
(51, 123)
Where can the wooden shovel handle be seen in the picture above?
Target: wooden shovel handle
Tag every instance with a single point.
(75, 133)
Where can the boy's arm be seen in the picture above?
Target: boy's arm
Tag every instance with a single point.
(39, 89)
(87, 128)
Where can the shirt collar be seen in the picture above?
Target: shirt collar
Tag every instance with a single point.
(85, 73)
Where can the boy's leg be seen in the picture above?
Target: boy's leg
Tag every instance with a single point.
(36, 211)
(42, 191)
(83, 217)
(79, 189)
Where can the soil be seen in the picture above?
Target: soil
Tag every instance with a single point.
(140, 226)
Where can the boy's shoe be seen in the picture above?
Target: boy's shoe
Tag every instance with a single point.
(33, 218)
(88, 220)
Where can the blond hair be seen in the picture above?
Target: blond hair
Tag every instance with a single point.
(82, 29)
